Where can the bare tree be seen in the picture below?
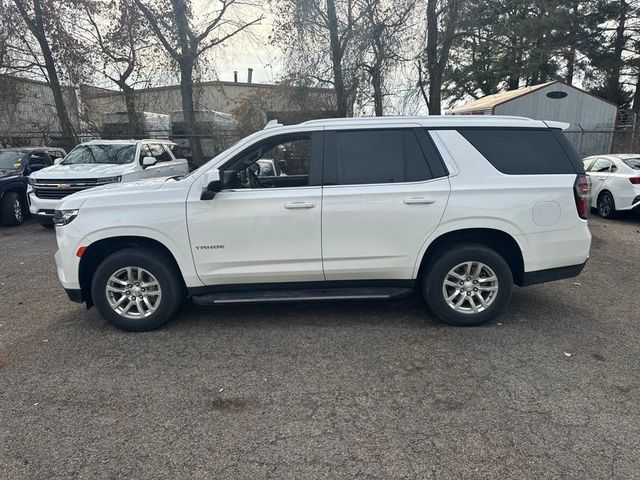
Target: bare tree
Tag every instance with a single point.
(45, 21)
(322, 41)
(114, 35)
(386, 32)
(442, 19)
(187, 40)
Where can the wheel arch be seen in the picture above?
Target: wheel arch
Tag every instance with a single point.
(97, 251)
(502, 242)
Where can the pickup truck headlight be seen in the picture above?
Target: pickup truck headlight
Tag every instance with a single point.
(110, 179)
(64, 217)
(31, 181)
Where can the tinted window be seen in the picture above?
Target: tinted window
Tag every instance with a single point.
(379, 156)
(521, 152)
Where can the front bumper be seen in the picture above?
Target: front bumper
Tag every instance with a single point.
(42, 207)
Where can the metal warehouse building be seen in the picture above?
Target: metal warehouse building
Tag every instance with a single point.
(592, 119)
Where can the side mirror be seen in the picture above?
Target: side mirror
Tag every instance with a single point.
(35, 166)
(212, 184)
(58, 161)
(148, 161)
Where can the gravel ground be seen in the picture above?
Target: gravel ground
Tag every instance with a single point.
(324, 390)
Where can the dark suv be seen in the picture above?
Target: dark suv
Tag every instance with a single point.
(16, 164)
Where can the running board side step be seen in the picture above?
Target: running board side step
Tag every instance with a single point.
(302, 295)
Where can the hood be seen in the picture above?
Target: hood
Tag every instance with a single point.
(83, 170)
(10, 173)
(76, 199)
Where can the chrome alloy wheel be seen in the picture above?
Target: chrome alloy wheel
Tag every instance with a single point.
(470, 287)
(17, 210)
(133, 293)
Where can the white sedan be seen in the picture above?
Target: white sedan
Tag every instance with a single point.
(615, 182)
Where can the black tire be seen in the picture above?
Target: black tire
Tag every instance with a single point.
(438, 270)
(606, 205)
(164, 271)
(8, 213)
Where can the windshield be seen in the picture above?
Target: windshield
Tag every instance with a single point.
(633, 162)
(11, 160)
(118, 154)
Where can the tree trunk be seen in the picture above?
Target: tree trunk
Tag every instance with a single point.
(636, 99)
(336, 59)
(132, 115)
(188, 111)
(571, 60)
(376, 83)
(613, 82)
(36, 26)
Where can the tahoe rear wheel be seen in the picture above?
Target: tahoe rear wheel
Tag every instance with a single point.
(136, 290)
(467, 285)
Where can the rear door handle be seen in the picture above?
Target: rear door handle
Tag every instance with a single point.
(293, 205)
(419, 201)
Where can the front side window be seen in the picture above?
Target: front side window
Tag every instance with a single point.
(379, 156)
(274, 163)
(587, 164)
(107, 154)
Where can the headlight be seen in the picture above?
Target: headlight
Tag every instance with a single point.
(64, 217)
(110, 179)
(31, 181)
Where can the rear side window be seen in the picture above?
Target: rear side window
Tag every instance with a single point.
(378, 156)
(522, 152)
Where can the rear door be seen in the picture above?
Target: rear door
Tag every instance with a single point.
(599, 173)
(384, 193)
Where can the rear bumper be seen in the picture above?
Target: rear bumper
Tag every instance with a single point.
(74, 294)
(552, 274)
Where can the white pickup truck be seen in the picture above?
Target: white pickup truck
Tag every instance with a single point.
(100, 162)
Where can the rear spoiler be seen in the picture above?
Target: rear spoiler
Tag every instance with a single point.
(558, 125)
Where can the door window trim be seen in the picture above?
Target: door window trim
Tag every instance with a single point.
(315, 161)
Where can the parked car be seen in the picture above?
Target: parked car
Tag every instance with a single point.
(457, 208)
(101, 162)
(16, 164)
(615, 181)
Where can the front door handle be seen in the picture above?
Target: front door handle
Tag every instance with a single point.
(293, 205)
(419, 201)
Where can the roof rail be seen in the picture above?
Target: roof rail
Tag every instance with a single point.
(272, 124)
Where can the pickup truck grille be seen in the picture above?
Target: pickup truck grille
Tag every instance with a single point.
(56, 189)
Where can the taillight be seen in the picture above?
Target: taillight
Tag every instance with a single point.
(582, 193)
(635, 180)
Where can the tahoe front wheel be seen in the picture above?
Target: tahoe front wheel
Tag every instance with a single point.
(468, 285)
(136, 290)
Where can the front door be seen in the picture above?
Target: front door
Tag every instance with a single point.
(385, 192)
(261, 229)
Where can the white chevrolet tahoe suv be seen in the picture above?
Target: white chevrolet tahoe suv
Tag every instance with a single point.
(100, 162)
(456, 208)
